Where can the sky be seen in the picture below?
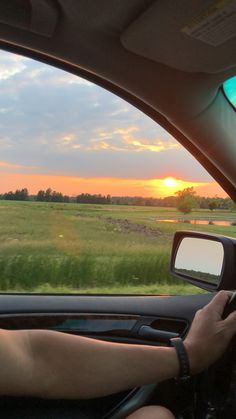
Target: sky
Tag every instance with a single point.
(63, 132)
(200, 255)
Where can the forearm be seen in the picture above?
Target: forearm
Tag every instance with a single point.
(77, 367)
(58, 365)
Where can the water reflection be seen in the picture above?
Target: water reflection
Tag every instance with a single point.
(199, 222)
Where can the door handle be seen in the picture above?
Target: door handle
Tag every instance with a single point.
(150, 333)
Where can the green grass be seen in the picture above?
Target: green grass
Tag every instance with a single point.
(49, 247)
(153, 289)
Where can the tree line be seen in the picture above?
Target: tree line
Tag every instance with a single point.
(50, 195)
(185, 200)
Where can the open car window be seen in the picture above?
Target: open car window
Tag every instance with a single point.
(92, 190)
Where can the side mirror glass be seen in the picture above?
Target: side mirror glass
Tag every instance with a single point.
(205, 260)
(200, 258)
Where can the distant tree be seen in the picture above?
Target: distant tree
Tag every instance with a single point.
(56, 196)
(108, 199)
(66, 198)
(203, 202)
(9, 196)
(25, 193)
(86, 198)
(21, 195)
(186, 200)
(18, 195)
(232, 206)
(212, 205)
(40, 196)
(51, 196)
(168, 201)
(48, 195)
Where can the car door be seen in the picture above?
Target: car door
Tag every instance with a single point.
(142, 320)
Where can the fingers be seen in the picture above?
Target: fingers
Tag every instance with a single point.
(230, 322)
(232, 296)
(219, 302)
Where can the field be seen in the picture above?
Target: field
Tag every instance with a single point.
(50, 247)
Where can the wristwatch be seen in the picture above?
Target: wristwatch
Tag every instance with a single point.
(184, 371)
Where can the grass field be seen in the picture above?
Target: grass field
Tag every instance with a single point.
(50, 247)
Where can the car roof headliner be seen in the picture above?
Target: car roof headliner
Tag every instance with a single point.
(107, 42)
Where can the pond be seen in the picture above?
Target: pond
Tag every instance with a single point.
(199, 222)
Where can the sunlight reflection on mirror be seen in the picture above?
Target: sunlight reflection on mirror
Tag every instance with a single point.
(200, 258)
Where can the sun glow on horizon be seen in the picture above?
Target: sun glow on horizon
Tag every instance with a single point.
(74, 185)
(170, 185)
(170, 182)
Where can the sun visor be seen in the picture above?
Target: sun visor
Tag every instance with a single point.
(37, 16)
(196, 36)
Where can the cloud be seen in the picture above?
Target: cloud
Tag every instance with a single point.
(156, 146)
(10, 65)
(7, 165)
(125, 131)
(68, 138)
(65, 125)
(31, 72)
(133, 144)
(123, 139)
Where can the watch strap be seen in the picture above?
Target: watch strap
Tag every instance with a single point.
(184, 372)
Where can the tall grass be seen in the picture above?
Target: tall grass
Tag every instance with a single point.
(29, 271)
(77, 247)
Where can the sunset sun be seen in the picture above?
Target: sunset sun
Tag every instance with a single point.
(170, 182)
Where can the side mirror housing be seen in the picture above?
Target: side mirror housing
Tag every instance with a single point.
(205, 260)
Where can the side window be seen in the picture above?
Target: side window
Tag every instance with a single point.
(92, 190)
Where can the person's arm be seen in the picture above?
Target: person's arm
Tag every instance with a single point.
(57, 365)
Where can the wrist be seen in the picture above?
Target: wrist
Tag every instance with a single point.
(193, 356)
(183, 358)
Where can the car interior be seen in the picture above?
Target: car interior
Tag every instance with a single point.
(170, 60)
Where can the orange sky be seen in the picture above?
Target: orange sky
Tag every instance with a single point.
(114, 186)
(60, 122)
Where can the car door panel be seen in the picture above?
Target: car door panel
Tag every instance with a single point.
(150, 320)
(166, 306)
(137, 319)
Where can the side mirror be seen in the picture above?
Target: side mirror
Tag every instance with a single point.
(205, 260)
